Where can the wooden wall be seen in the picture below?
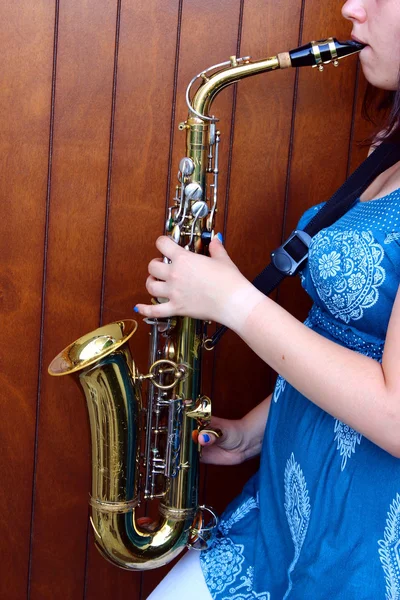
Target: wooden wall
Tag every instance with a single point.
(91, 95)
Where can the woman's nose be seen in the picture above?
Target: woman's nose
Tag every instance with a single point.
(354, 11)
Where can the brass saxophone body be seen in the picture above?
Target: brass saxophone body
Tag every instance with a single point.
(145, 453)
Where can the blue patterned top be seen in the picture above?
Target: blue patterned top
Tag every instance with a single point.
(321, 518)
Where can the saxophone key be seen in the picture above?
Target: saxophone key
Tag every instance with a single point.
(193, 191)
(186, 167)
(200, 209)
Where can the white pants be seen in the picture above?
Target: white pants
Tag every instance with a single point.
(185, 581)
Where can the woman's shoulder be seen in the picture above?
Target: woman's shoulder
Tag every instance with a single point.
(308, 215)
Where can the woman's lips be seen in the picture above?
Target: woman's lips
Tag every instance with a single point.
(356, 39)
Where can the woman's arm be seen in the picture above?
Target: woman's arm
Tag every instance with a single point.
(353, 388)
(350, 386)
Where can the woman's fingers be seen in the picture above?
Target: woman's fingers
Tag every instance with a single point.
(167, 247)
(158, 269)
(156, 311)
(221, 426)
(157, 288)
(206, 439)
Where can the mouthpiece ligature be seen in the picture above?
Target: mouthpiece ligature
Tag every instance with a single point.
(323, 52)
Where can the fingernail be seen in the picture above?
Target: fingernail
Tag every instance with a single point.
(220, 237)
(135, 308)
(206, 437)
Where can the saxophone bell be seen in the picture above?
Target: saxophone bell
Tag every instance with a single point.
(124, 447)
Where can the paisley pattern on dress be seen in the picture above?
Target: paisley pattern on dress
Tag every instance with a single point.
(264, 559)
(346, 438)
(279, 388)
(223, 562)
(392, 237)
(389, 551)
(248, 593)
(345, 268)
(226, 525)
(298, 510)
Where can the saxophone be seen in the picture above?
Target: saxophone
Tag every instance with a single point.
(145, 453)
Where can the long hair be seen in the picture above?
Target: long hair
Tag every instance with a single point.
(382, 109)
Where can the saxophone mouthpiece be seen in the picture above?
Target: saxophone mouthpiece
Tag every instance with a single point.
(316, 54)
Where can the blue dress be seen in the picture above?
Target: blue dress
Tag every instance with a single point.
(321, 518)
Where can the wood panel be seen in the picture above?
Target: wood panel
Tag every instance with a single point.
(26, 45)
(201, 45)
(89, 150)
(84, 84)
(255, 210)
(146, 70)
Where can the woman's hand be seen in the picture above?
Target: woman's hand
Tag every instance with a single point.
(230, 449)
(241, 438)
(198, 286)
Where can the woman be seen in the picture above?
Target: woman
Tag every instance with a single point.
(321, 518)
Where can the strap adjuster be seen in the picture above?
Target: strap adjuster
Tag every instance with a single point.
(289, 257)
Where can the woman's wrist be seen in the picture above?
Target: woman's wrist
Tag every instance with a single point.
(251, 439)
(240, 304)
(253, 426)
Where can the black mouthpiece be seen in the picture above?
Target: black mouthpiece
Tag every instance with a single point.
(323, 51)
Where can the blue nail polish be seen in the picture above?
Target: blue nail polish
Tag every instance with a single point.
(135, 308)
(220, 237)
(206, 437)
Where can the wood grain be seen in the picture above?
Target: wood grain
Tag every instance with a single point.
(26, 45)
(86, 44)
(145, 84)
(254, 211)
(201, 45)
(89, 149)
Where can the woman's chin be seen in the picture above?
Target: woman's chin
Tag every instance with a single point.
(377, 72)
(371, 73)
(365, 52)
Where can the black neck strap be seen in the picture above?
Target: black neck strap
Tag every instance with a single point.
(291, 256)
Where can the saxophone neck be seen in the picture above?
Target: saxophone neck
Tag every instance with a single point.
(313, 54)
(227, 73)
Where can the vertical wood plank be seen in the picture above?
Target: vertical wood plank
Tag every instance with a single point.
(74, 270)
(145, 83)
(255, 210)
(270, 179)
(202, 44)
(26, 48)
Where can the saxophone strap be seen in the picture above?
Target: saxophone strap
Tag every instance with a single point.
(292, 255)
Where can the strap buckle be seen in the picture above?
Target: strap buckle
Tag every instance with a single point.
(289, 257)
